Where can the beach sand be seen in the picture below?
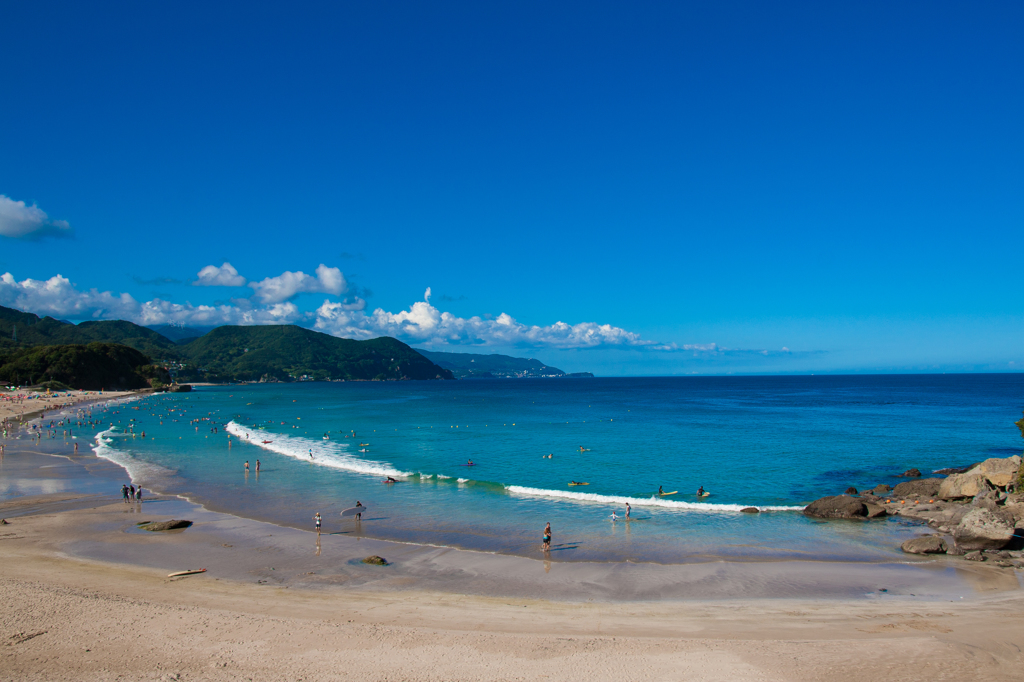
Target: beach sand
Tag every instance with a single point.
(17, 404)
(84, 594)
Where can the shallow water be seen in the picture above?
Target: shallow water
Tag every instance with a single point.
(771, 442)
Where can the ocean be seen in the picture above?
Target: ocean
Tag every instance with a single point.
(776, 443)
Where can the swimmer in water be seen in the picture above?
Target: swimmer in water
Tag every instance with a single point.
(470, 463)
(700, 491)
(661, 491)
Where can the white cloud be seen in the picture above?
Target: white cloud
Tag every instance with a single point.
(20, 221)
(424, 324)
(224, 276)
(288, 285)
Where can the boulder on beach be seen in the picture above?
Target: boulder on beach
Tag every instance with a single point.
(875, 510)
(850, 491)
(750, 510)
(911, 473)
(983, 529)
(925, 487)
(173, 524)
(974, 556)
(1000, 472)
(375, 560)
(929, 544)
(958, 486)
(883, 488)
(837, 507)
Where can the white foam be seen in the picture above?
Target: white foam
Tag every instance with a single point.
(637, 501)
(137, 469)
(325, 453)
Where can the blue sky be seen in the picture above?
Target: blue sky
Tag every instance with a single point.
(689, 187)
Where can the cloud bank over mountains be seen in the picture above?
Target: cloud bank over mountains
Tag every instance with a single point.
(20, 221)
(272, 303)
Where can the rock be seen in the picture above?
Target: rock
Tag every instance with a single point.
(958, 486)
(925, 487)
(983, 529)
(929, 544)
(955, 470)
(998, 471)
(179, 388)
(874, 510)
(750, 510)
(911, 473)
(974, 556)
(376, 560)
(173, 524)
(850, 491)
(882, 489)
(1003, 563)
(987, 499)
(838, 507)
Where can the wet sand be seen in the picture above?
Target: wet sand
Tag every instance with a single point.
(84, 594)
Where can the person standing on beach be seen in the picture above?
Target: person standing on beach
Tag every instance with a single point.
(546, 545)
(359, 515)
(627, 511)
(257, 466)
(124, 493)
(317, 519)
(246, 466)
(131, 490)
(138, 494)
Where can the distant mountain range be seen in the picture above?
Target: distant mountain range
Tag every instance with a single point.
(230, 353)
(258, 353)
(474, 365)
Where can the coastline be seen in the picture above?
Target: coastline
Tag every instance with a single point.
(85, 586)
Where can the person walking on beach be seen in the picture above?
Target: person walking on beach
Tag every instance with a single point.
(124, 493)
(359, 515)
(627, 511)
(317, 519)
(546, 545)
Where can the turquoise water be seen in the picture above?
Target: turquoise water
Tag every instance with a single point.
(771, 442)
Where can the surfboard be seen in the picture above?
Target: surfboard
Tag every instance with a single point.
(666, 494)
(352, 511)
(579, 484)
(267, 441)
(191, 571)
(705, 494)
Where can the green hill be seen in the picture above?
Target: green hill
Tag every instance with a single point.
(31, 330)
(289, 353)
(89, 367)
(272, 352)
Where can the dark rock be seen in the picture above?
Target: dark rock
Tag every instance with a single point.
(910, 473)
(837, 507)
(173, 524)
(925, 487)
(850, 491)
(881, 489)
(974, 556)
(750, 510)
(982, 529)
(875, 510)
(1003, 563)
(375, 560)
(929, 544)
(180, 388)
(956, 470)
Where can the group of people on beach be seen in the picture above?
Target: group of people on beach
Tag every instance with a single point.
(131, 494)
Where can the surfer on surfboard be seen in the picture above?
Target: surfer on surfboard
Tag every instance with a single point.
(700, 491)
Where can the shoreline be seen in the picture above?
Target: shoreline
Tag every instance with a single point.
(85, 594)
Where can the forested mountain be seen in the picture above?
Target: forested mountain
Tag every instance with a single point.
(25, 329)
(288, 353)
(89, 367)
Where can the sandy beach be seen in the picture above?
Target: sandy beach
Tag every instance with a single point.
(85, 595)
(19, 405)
